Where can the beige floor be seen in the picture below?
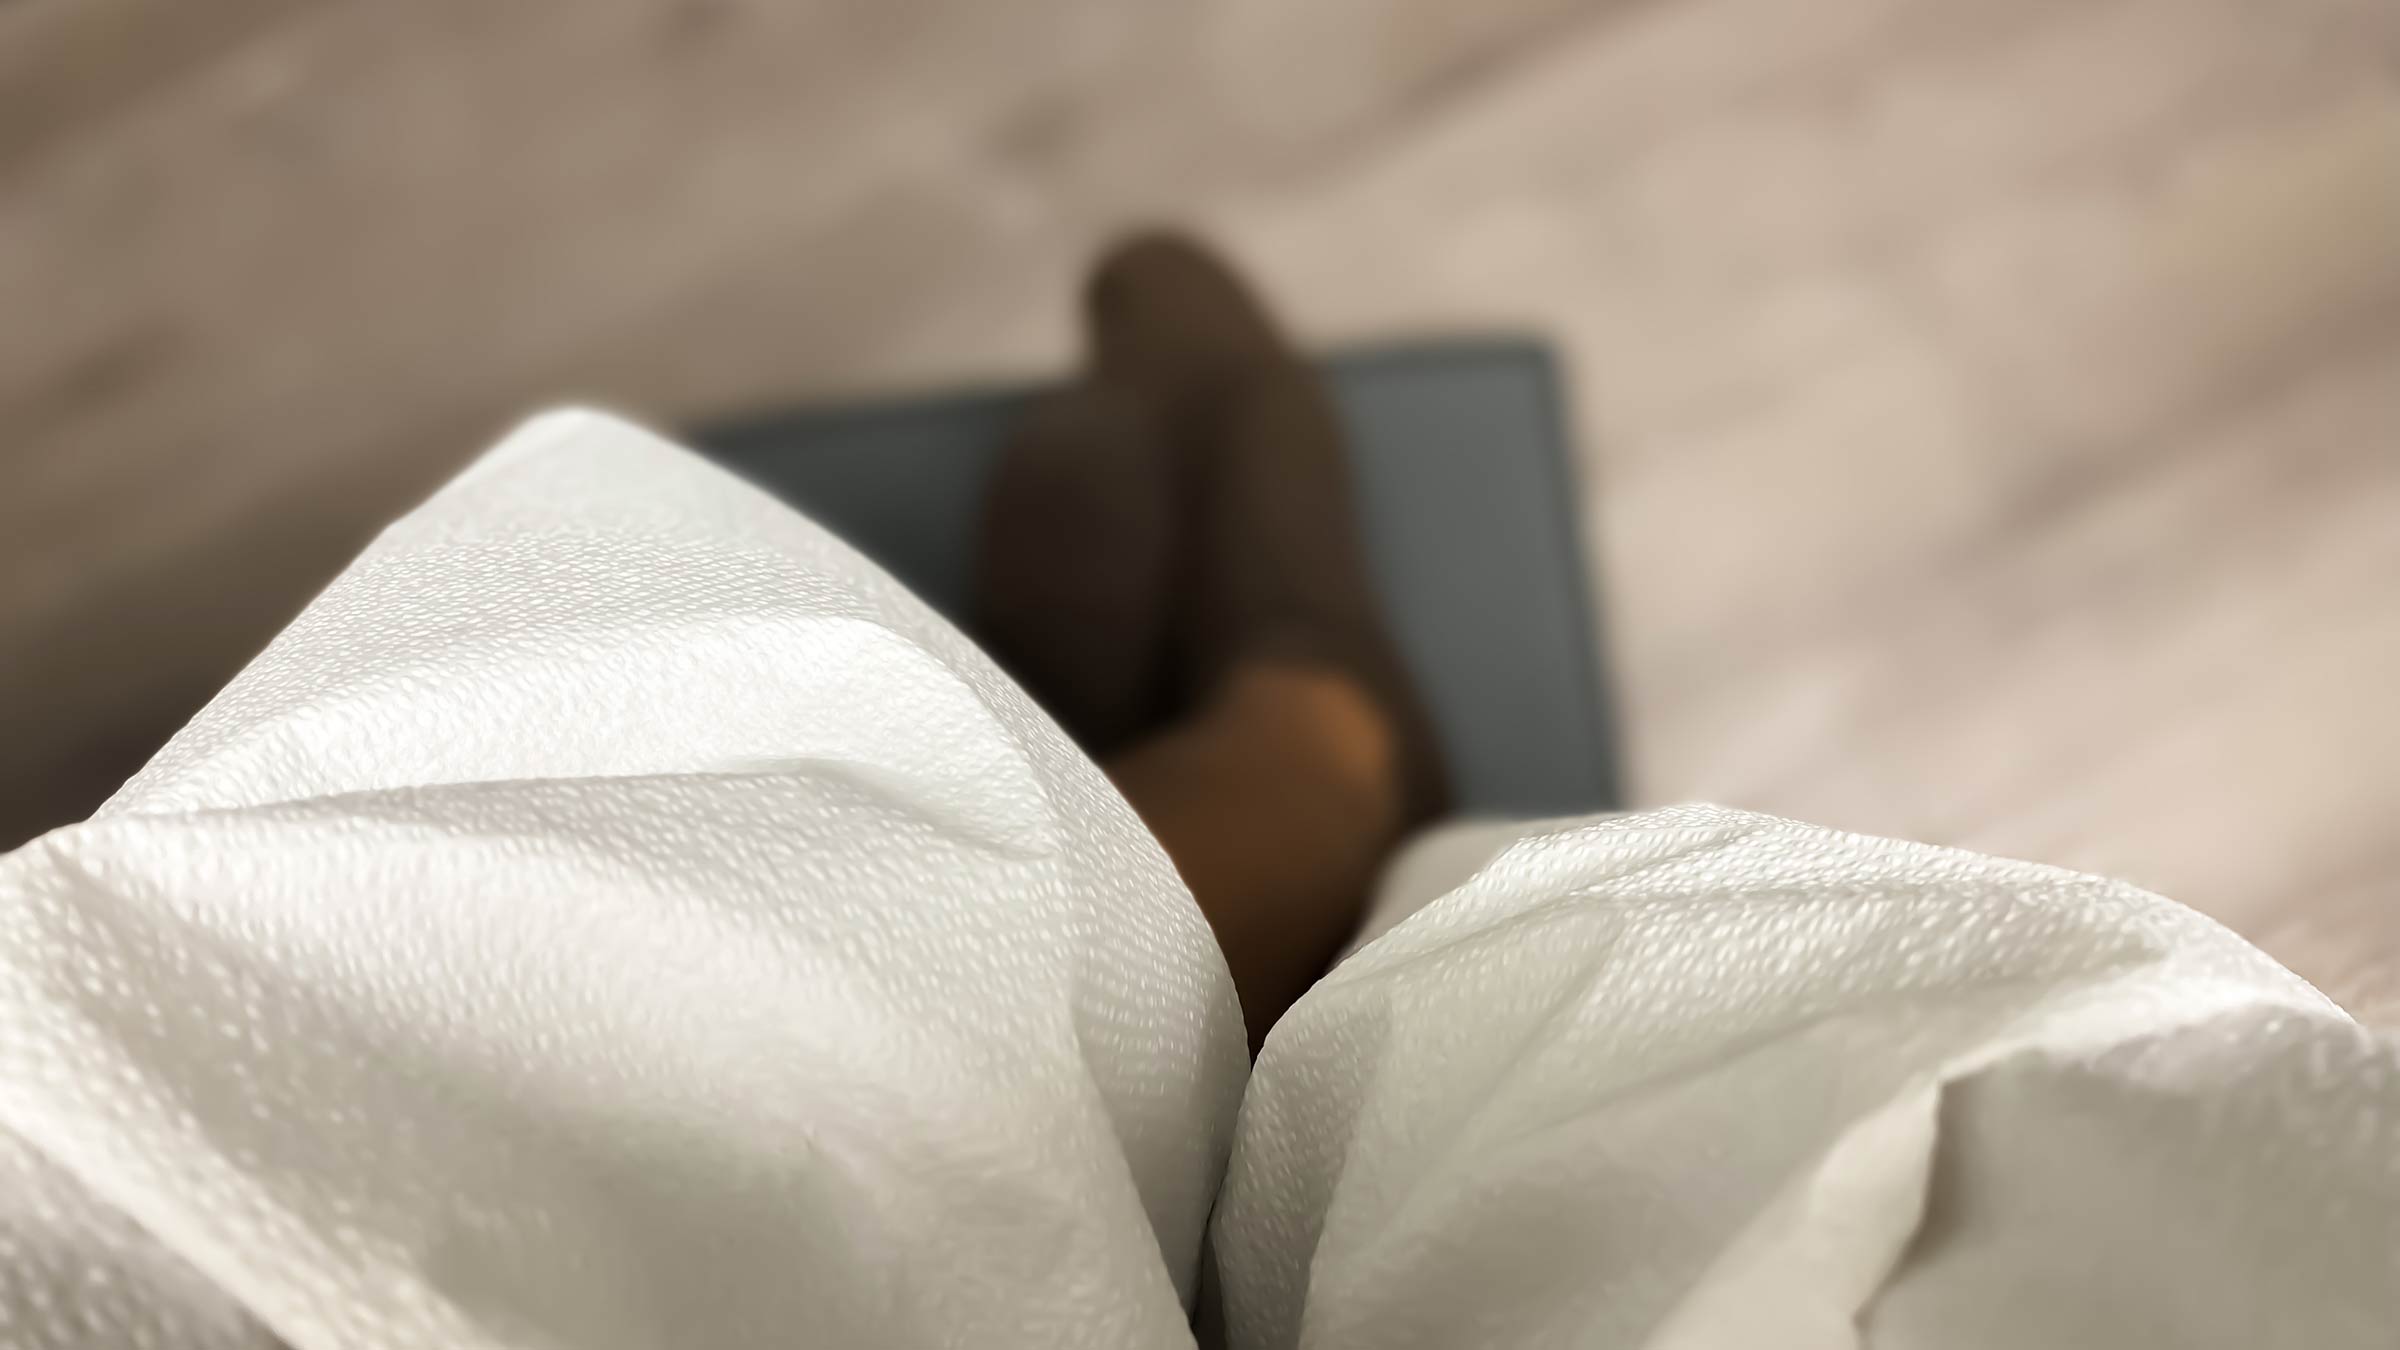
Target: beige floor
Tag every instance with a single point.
(1992, 407)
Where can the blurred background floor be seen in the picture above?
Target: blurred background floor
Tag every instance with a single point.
(1991, 408)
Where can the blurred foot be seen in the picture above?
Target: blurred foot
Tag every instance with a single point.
(1272, 571)
(1166, 317)
(1073, 570)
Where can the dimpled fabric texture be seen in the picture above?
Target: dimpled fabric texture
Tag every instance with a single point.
(1697, 1078)
(613, 915)
(617, 915)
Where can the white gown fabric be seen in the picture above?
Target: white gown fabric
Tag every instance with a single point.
(617, 915)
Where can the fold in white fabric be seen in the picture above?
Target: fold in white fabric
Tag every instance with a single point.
(1700, 1078)
(615, 914)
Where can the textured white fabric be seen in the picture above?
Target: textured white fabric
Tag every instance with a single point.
(1437, 861)
(617, 915)
(1697, 1078)
(613, 915)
